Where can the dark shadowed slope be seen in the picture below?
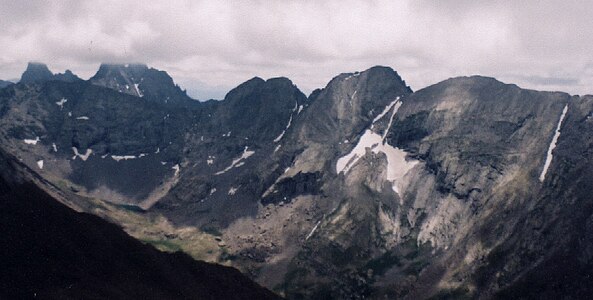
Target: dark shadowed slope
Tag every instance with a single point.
(51, 251)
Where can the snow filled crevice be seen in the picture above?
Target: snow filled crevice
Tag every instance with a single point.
(385, 111)
(138, 92)
(313, 230)
(237, 162)
(276, 140)
(552, 146)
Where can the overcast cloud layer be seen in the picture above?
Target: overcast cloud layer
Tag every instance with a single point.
(209, 47)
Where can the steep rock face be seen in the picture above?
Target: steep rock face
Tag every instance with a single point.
(36, 72)
(298, 198)
(364, 189)
(548, 255)
(141, 81)
(228, 154)
(107, 144)
(39, 73)
(52, 252)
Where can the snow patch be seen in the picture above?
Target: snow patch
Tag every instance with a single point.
(210, 160)
(122, 157)
(277, 148)
(31, 142)
(276, 140)
(300, 109)
(397, 165)
(84, 156)
(61, 103)
(176, 168)
(138, 92)
(82, 118)
(245, 155)
(552, 146)
(212, 191)
(53, 145)
(40, 164)
(232, 191)
(158, 150)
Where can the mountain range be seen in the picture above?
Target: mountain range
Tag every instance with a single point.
(469, 188)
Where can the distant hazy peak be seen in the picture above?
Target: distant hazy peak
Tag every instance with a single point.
(36, 72)
(39, 72)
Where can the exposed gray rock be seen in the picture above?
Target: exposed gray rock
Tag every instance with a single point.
(467, 188)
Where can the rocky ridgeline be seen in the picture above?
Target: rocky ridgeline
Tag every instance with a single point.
(470, 187)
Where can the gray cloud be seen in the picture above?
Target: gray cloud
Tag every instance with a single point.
(211, 46)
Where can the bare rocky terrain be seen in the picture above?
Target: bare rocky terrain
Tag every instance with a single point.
(469, 188)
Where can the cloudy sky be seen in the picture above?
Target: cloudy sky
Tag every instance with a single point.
(209, 47)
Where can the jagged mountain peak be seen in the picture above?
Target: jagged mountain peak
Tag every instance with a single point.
(350, 101)
(139, 80)
(36, 72)
(106, 69)
(381, 73)
(262, 106)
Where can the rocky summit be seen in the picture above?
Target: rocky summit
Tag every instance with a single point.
(469, 188)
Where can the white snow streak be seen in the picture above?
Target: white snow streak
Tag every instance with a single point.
(84, 156)
(32, 142)
(246, 154)
(138, 90)
(276, 140)
(122, 157)
(53, 145)
(385, 111)
(176, 168)
(549, 156)
(313, 230)
(82, 118)
(397, 106)
(40, 164)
